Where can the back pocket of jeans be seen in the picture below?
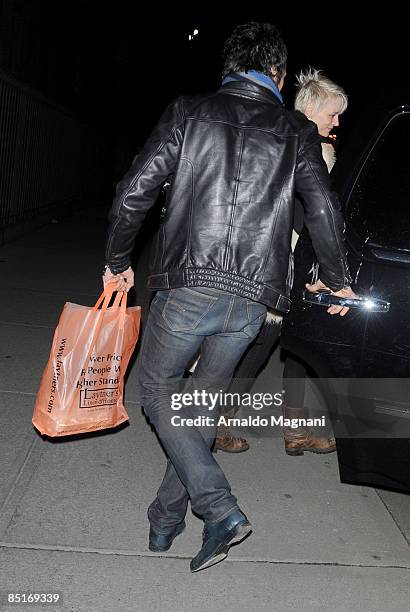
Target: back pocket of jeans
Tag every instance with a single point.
(185, 308)
(255, 310)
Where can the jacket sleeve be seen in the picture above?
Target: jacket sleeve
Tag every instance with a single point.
(138, 191)
(323, 216)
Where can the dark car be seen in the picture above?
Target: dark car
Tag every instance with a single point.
(362, 360)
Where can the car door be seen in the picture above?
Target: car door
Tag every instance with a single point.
(368, 352)
(377, 213)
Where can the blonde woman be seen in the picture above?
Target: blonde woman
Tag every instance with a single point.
(322, 101)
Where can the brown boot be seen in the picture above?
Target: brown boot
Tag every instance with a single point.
(314, 444)
(300, 439)
(227, 442)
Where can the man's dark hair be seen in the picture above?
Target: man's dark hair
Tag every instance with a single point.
(254, 46)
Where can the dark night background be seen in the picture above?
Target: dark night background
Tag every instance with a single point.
(117, 66)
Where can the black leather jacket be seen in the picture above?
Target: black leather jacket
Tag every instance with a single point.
(234, 159)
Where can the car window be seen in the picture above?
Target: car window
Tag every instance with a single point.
(378, 209)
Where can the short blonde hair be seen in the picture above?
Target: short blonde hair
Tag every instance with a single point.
(314, 89)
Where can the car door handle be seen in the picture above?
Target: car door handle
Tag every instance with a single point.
(325, 298)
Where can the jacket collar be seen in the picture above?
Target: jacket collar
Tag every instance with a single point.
(249, 89)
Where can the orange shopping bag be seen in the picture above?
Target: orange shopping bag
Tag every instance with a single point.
(82, 385)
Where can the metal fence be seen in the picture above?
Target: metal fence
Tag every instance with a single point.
(48, 159)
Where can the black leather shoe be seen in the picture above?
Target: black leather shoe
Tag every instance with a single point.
(159, 542)
(218, 537)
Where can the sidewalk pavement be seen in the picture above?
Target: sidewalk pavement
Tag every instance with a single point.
(73, 513)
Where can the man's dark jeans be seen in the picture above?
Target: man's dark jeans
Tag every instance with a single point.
(182, 321)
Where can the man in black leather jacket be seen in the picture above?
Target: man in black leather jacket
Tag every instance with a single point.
(234, 160)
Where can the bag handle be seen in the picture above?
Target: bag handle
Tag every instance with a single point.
(120, 301)
(105, 297)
